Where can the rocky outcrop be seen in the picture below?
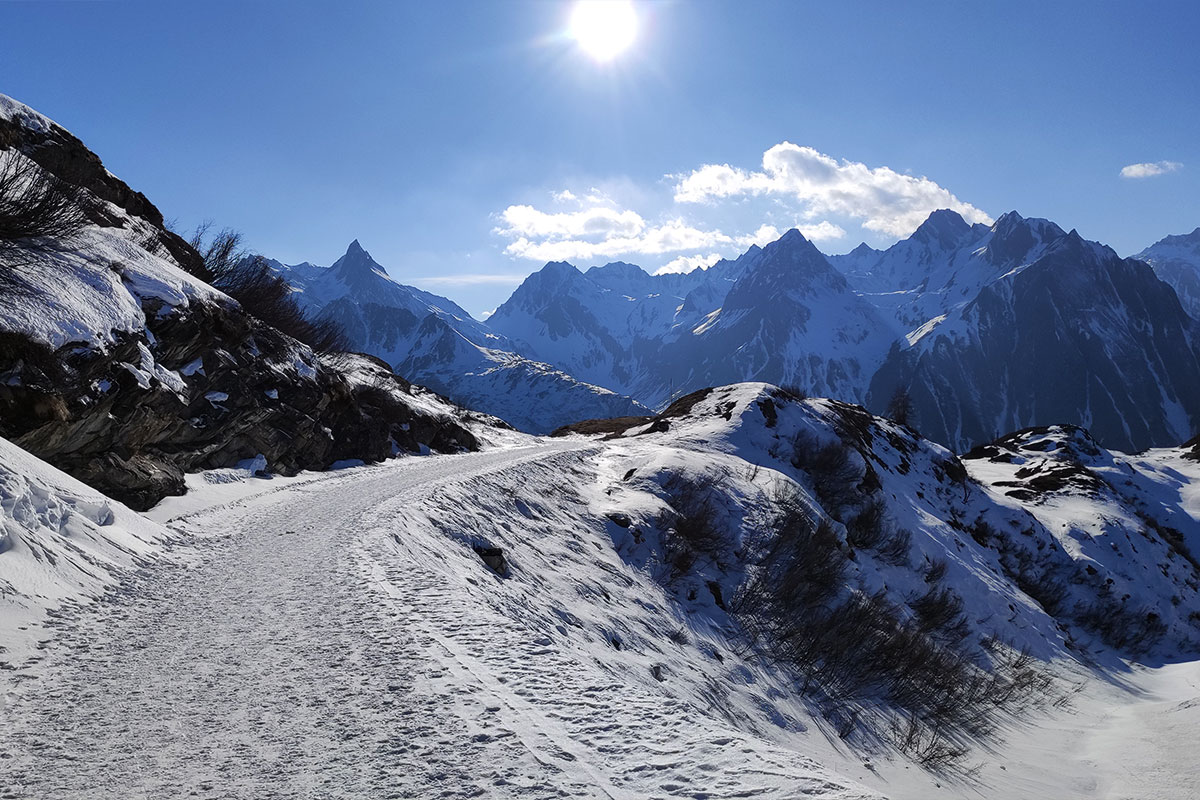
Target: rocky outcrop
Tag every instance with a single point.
(223, 388)
(121, 367)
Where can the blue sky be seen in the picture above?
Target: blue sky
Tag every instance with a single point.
(465, 143)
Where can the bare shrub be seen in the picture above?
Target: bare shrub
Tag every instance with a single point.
(939, 612)
(1044, 586)
(791, 392)
(853, 648)
(263, 294)
(895, 548)
(1132, 630)
(689, 530)
(935, 570)
(36, 204)
(835, 475)
(867, 528)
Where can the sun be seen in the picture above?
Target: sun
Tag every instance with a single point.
(603, 28)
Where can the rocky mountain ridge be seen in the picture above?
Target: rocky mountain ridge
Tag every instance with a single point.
(122, 368)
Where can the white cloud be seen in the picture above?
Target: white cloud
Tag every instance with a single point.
(594, 221)
(688, 263)
(822, 231)
(884, 199)
(673, 236)
(763, 236)
(1150, 169)
(565, 196)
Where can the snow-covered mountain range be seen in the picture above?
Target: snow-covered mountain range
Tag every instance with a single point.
(433, 342)
(986, 328)
(1032, 325)
(752, 592)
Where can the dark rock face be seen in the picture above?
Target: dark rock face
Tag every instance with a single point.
(133, 438)
(1079, 336)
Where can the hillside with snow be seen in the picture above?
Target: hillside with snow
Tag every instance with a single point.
(697, 604)
(1075, 335)
(238, 562)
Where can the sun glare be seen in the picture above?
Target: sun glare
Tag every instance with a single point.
(603, 28)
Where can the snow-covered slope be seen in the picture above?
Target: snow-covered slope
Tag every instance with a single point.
(601, 325)
(969, 319)
(790, 318)
(432, 341)
(779, 313)
(527, 394)
(359, 288)
(1040, 527)
(60, 542)
(1131, 520)
(1176, 260)
(625, 645)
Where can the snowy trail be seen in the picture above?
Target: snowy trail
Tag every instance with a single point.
(268, 669)
(312, 647)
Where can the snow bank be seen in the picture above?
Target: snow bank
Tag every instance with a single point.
(60, 542)
(96, 289)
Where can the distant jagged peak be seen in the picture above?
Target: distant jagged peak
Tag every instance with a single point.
(1011, 222)
(1015, 239)
(790, 247)
(1185, 240)
(619, 269)
(357, 260)
(794, 247)
(790, 263)
(944, 227)
(554, 274)
(1072, 244)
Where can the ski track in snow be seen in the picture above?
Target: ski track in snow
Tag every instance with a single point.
(293, 654)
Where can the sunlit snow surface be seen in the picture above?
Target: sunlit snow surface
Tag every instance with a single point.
(335, 635)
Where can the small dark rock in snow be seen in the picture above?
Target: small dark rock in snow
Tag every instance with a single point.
(494, 558)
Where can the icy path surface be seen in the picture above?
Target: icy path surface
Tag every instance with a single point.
(291, 652)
